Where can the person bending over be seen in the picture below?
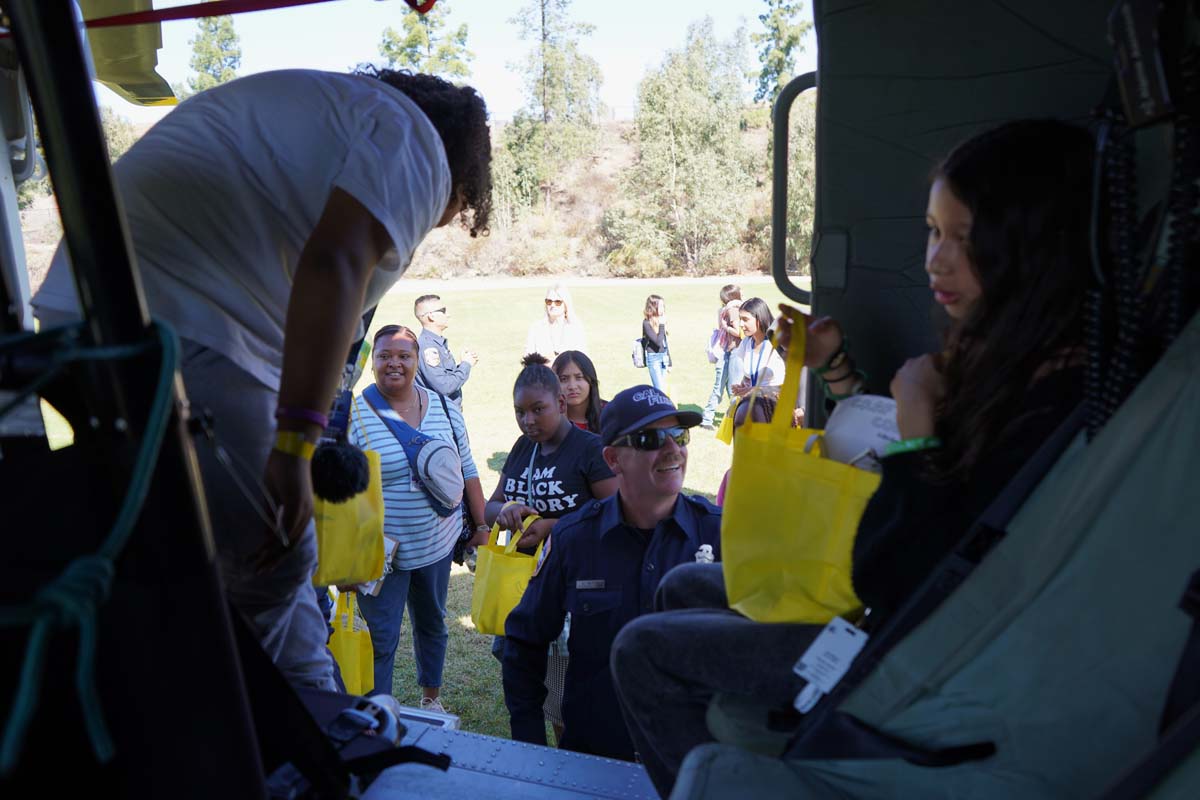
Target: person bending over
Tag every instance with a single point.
(266, 215)
(1007, 258)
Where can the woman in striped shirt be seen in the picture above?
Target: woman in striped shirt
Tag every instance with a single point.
(419, 567)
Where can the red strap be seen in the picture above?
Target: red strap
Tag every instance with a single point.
(218, 8)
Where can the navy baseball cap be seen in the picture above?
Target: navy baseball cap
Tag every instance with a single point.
(635, 408)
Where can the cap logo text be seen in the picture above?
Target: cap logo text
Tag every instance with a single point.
(652, 397)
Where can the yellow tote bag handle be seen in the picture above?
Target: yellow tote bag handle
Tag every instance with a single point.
(511, 547)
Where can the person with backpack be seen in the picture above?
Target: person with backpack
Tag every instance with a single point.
(654, 340)
(721, 343)
(428, 474)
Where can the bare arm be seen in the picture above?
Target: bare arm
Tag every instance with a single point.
(476, 505)
(323, 313)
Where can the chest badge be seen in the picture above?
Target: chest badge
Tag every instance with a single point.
(705, 554)
(432, 357)
(546, 545)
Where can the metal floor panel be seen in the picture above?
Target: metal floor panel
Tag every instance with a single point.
(501, 769)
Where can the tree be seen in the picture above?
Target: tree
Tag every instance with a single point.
(563, 84)
(424, 46)
(684, 200)
(563, 108)
(778, 46)
(216, 55)
(119, 135)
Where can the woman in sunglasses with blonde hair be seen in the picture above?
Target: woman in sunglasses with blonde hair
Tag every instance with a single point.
(561, 329)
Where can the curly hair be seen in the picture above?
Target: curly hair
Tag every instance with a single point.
(536, 374)
(1027, 185)
(460, 117)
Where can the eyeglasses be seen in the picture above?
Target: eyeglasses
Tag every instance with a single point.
(550, 302)
(441, 310)
(653, 438)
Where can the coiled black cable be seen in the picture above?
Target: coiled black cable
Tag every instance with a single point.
(1184, 195)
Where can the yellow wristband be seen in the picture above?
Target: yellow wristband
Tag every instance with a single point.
(293, 443)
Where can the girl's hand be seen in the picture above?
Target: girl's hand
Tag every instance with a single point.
(537, 532)
(741, 388)
(823, 340)
(917, 388)
(510, 518)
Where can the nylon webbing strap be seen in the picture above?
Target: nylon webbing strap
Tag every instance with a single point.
(1178, 743)
(1179, 730)
(1184, 693)
(950, 573)
(286, 731)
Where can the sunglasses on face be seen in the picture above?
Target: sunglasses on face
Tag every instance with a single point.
(441, 310)
(550, 302)
(653, 438)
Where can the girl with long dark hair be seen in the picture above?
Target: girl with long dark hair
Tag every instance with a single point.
(1007, 258)
(581, 389)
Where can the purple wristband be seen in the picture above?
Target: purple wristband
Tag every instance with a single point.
(302, 415)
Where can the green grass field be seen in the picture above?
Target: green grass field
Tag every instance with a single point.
(492, 318)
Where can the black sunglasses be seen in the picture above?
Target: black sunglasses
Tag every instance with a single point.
(653, 438)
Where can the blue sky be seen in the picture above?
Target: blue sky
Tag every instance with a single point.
(629, 38)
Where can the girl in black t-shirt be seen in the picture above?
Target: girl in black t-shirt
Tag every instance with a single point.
(554, 468)
(581, 389)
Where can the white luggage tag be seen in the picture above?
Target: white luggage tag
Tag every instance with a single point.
(826, 660)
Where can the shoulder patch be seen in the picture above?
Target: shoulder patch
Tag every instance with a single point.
(545, 553)
(433, 358)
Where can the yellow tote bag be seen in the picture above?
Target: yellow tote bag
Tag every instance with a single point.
(790, 517)
(351, 645)
(501, 574)
(350, 534)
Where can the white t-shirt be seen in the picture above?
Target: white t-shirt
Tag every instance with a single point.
(550, 340)
(764, 366)
(223, 193)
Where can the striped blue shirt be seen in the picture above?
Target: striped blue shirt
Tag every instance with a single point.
(422, 537)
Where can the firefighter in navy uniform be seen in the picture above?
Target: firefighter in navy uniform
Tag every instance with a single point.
(603, 564)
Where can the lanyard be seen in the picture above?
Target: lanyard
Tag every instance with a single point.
(529, 480)
(755, 364)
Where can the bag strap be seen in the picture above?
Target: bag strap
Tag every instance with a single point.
(989, 529)
(1179, 729)
(1184, 692)
(403, 432)
(358, 419)
(286, 731)
(450, 422)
